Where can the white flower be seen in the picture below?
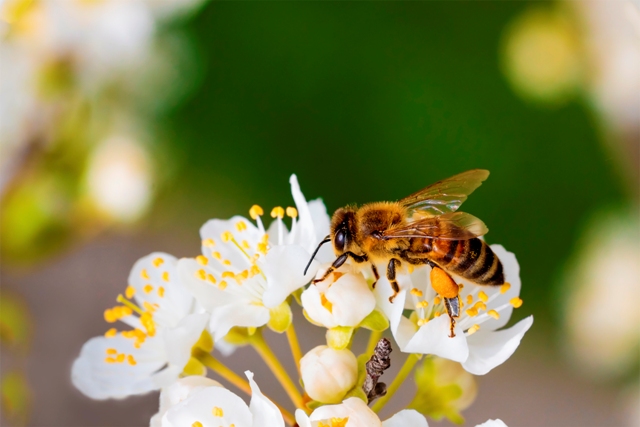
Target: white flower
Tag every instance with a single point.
(343, 299)
(217, 406)
(179, 391)
(477, 344)
(328, 374)
(245, 273)
(492, 423)
(154, 353)
(353, 412)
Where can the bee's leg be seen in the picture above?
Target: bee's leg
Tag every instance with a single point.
(338, 263)
(375, 273)
(453, 310)
(391, 276)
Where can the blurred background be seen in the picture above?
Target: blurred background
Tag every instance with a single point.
(126, 124)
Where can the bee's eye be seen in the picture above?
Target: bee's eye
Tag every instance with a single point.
(340, 240)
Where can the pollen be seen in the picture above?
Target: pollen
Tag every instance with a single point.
(241, 226)
(422, 304)
(218, 412)
(504, 288)
(482, 296)
(493, 314)
(208, 242)
(147, 289)
(144, 274)
(222, 285)
(111, 333)
(111, 351)
(416, 292)
(131, 360)
(472, 330)
(130, 292)
(516, 302)
(443, 283)
(161, 292)
(165, 276)
(255, 212)
(469, 299)
(292, 212)
(201, 274)
(278, 212)
(227, 236)
(158, 262)
(202, 260)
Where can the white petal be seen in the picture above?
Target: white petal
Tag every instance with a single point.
(359, 414)
(215, 228)
(302, 418)
(198, 407)
(181, 339)
(305, 230)
(312, 304)
(179, 391)
(488, 349)
(265, 413)
(101, 380)
(226, 317)
(433, 338)
(207, 294)
(408, 417)
(284, 268)
(351, 298)
(493, 423)
(321, 223)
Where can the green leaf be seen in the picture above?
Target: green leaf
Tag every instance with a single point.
(375, 321)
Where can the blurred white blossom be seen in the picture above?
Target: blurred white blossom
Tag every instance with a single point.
(328, 374)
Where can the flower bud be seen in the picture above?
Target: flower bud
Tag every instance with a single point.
(328, 374)
(341, 300)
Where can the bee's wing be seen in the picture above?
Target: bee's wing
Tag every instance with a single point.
(446, 195)
(450, 226)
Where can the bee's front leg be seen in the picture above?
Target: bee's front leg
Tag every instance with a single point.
(338, 263)
(391, 276)
(453, 310)
(376, 275)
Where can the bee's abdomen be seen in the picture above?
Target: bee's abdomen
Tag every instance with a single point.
(472, 259)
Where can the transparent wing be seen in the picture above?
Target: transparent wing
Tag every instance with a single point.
(450, 226)
(446, 195)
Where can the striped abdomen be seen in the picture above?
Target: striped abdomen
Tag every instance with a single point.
(472, 259)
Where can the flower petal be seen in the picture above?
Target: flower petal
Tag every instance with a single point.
(433, 338)
(179, 391)
(302, 419)
(198, 407)
(305, 230)
(207, 294)
(488, 349)
(240, 314)
(359, 414)
(407, 417)
(321, 223)
(493, 423)
(265, 412)
(215, 228)
(284, 267)
(181, 339)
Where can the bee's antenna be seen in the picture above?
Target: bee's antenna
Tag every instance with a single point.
(326, 239)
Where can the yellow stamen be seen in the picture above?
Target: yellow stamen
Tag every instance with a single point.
(196, 424)
(161, 292)
(129, 305)
(147, 321)
(120, 358)
(471, 312)
(158, 262)
(227, 236)
(227, 274)
(218, 412)
(144, 274)
(472, 330)
(130, 292)
(255, 212)
(482, 296)
(516, 302)
(211, 279)
(469, 299)
(246, 245)
(208, 242)
(292, 212)
(216, 255)
(165, 276)
(111, 333)
(278, 211)
(504, 288)
(202, 260)
(479, 305)
(241, 226)
(422, 321)
(110, 360)
(149, 307)
(254, 270)
(436, 300)
(422, 304)
(201, 274)
(112, 351)
(493, 314)
(416, 292)
(222, 285)
(226, 262)
(460, 287)
(263, 248)
(147, 289)
(437, 314)
(131, 360)
(109, 316)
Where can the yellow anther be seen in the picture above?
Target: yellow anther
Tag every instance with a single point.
(278, 211)
(244, 274)
(226, 274)
(479, 305)
(201, 274)
(422, 321)
(120, 358)
(149, 307)
(416, 292)
(165, 276)
(437, 314)
(196, 424)
(226, 262)
(147, 289)
(218, 412)
(254, 270)
(422, 304)
(111, 333)
(292, 212)
(246, 245)
(112, 351)
(147, 321)
(222, 285)
(202, 260)
(469, 299)
(216, 255)
(482, 296)
(227, 236)
(493, 314)
(516, 302)
(472, 330)
(211, 279)
(436, 301)
(241, 226)
(255, 212)
(110, 360)
(471, 312)
(208, 242)
(460, 287)
(158, 262)
(161, 292)
(144, 274)
(109, 316)
(131, 360)
(263, 248)
(504, 288)
(129, 292)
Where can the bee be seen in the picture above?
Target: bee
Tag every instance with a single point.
(423, 228)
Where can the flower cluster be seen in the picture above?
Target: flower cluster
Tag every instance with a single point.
(249, 279)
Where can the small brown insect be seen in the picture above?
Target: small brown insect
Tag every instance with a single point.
(423, 228)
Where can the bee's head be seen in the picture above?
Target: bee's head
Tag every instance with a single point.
(343, 225)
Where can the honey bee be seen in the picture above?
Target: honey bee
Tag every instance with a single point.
(423, 228)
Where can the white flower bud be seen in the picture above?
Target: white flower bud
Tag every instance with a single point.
(341, 300)
(328, 374)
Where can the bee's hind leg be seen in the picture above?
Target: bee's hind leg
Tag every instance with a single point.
(453, 310)
(391, 276)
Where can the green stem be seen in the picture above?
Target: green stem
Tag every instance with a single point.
(294, 344)
(374, 337)
(406, 369)
(263, 349)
